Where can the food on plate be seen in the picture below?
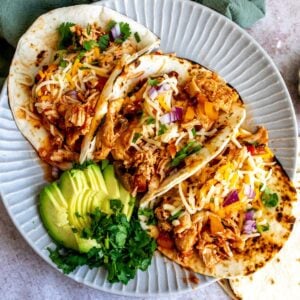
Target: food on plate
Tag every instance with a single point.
(88, 213)
(166, 117)
(229, 218)
(277, 280)
(61, 66)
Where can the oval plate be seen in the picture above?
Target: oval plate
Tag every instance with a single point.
(196, 33)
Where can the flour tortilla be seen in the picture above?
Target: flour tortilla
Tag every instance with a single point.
(151, 66)
(259, 250)
(42, 37)
(277, 280)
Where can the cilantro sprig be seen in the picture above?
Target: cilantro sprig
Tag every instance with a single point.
(189, 149)
(123, 246)
(269, 199)
(66, 35)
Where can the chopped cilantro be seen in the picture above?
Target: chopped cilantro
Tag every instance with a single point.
(175, 216)
(116, 205)
(162, 129)
(88, 29)
(150, 120)
(66, 35)
(110, 25)
(269, 199)
(152, 82)
(89, 45)
(103, 42)
(137, 37)
(104, 164)
(80, 55)
(63, 63)
(190, 148)
(75, 230)
(136, 136)
(124, 247)
(83, 165)
(148, 212)
(262, 228)
(78, 215)
(194, 132)
(125, 33)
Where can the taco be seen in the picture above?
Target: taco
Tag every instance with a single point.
(61, 65)
(229, 218)
(277, 280)
(166, 117)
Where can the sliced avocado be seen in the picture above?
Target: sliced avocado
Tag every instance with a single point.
(125, 198)
(84, 245)
(95, 178)
(54, 213)
(72, 182)
(111, 182)
(101, 200)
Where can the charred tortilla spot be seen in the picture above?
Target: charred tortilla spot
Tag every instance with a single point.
(40, 57)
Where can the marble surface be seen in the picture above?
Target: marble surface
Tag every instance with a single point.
(24, 275)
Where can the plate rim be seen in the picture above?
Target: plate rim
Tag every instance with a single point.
(4, 93)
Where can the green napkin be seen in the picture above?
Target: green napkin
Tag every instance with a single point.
(243, 12)
(17, 15)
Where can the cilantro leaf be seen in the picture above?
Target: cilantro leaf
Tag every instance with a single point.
(116, 205)
(175, 216)
(110, 25)
(63, 63)
(189, 149)
(262, 228)
(149, 213)
(269, 199)
(162, 129)
(83, 165)
(136, 136)
(194, 132)
(103, 42)
(66, 35)
(150, 120)
(88, 45)
(137, 37)
(153, 82)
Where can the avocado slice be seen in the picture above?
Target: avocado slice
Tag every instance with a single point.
(111, 182)
(125, 198)
(54, 213)
(95, 178)
(72, 182)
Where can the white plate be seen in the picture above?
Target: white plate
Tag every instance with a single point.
(194, 32)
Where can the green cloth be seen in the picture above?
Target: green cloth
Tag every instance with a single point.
(243, 12)
(17, 15)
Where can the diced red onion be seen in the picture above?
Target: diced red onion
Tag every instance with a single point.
(116, 31)
(249, 226)
(231, 198)
(72, 94)
(249, 215)
(174, 115)
(164, 87)
(152, 93)
(249, 191)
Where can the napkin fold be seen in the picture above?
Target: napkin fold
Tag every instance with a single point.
(17, 15)
(243, 12)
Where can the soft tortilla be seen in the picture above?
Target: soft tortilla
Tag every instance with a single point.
(153, 65)
(277, 280)
(42, 37)
(258, 250)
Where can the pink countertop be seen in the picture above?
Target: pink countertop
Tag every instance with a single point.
(24, 275)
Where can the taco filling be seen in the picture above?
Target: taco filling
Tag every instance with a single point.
(161, 122)
(66, 91)
(229, 218)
